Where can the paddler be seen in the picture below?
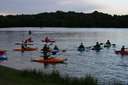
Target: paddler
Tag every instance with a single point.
(81, 48)
(47, 39)
(45, 50)
(123, 48)
(97, 47)
(27, 41)
(25, 44)
(22, 45)
(56, 48)
(108, 43)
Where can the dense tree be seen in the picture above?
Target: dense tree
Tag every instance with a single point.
(64, 19)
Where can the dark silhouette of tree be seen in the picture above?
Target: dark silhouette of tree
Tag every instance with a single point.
(65, 19)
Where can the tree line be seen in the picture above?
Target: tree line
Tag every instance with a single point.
(65, 19)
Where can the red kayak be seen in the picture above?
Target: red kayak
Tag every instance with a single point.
(51, 60)
(122, 52)
(2, 52)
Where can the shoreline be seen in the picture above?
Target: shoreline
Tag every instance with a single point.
(11, 76)
(58, 29)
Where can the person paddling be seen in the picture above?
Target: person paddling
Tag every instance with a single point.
(23, 46)
(47, 39)
(56, 48)
(81, 48)
(107, 44)
(29, 40)
(45, 52)
(123, 48)
(97, 47)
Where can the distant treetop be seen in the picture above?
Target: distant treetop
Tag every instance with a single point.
(65, 19)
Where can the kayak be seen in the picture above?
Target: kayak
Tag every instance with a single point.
(2, 52)
(47, 41)
(107, 45)
(26, 49)
(52, 60)
(96, 49)
(122, 52)
(54, 52)
(81, 49)
(3, 57)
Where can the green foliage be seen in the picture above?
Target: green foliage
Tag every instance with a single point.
(33, 77)
(64, 19)
(55, 78)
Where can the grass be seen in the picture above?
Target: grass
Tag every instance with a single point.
(10, 76)
(32, 77)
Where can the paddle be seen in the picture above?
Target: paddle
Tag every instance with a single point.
(22, 43)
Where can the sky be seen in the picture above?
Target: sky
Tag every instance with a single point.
(119, 7)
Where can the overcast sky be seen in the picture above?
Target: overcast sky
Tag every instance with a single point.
(37, 6)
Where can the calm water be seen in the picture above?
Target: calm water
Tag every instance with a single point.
(105, 65)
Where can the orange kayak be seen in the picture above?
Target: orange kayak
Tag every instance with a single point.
(25, 49)
(51, 60)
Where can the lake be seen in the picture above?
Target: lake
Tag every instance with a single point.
(104, 65)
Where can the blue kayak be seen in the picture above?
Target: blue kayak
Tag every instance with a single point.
(3, 57)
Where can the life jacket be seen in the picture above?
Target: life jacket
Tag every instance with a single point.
(28, 40)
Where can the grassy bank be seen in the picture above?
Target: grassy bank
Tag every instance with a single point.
(13, 77)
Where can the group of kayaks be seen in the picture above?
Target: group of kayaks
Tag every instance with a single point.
(3, 56)
(100, 46)
(54, 60)
(81, 48)
(41, 59)
(97, 47)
